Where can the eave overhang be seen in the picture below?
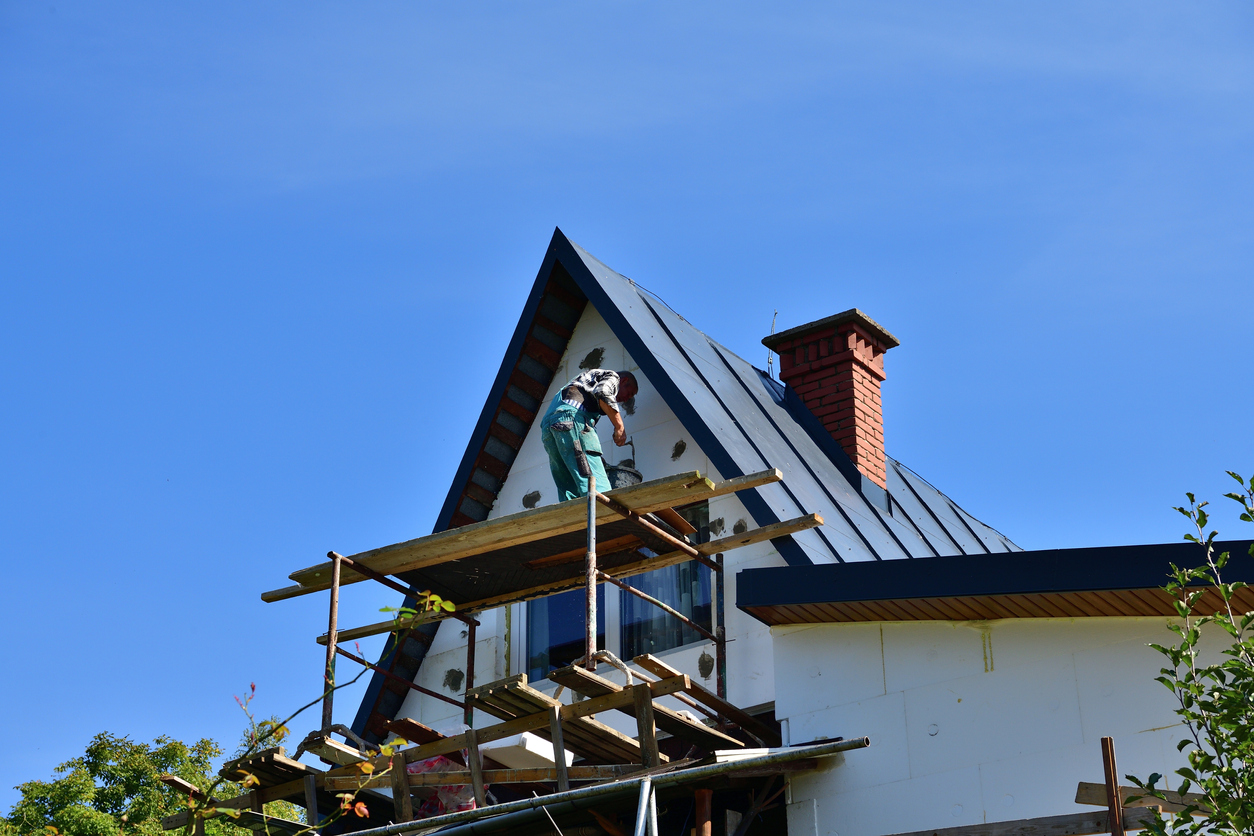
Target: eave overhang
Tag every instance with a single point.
(1115, 581)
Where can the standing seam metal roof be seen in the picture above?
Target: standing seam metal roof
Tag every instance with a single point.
(744, 422)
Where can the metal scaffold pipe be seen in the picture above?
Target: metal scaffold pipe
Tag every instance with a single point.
(590, 579)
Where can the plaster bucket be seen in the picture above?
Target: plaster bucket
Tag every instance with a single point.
(621, 476)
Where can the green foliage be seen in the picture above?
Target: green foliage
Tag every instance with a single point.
(1216, 701)
(426, 602)
(113, 788)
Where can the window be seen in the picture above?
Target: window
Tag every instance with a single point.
(647, 629)
(555, 636)
(686, 587)
(554, 625)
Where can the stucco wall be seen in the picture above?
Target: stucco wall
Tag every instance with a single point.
(663, 447)
(969, 722)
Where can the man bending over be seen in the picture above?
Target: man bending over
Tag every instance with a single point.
(569, 428)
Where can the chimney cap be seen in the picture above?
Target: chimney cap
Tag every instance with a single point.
(852, 315)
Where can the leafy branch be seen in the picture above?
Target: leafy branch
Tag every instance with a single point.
(1215, 701)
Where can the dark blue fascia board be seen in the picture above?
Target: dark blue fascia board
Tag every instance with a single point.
(788, 549)
(1004, 573)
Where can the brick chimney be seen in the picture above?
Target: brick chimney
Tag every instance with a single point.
(836, 366)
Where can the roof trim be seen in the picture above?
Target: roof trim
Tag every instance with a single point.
(810, 594)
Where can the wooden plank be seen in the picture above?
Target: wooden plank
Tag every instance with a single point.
(759, 535)
(311, 801)
(1114, 808)
(559, 748)
(1095, 794)
(270, 767)
(534, 722)
(409, 729)
(604, 547)
(523, 527)
(672, 518)
(643, 704)
(335, 751)
(475, 761)
(1072, 824)
(575, 582)
(803, 765)
(259, 822)
(583, 681)
(291, 790)
(582, 732)
(511, 530)
(588, 684)
(186, 788)
(741, 483)
(463, 777)
(751, 724)
(402, 800)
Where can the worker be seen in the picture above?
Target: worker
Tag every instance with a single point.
(569, 428)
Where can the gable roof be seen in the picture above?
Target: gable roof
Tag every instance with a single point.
(742, 420)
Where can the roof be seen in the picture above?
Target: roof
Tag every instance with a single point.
(744, 421)
(1053, 583)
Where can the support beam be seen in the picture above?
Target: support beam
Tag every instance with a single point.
(402, 799)
(468, 715)
(751, 724)
(559, 748)
(705, 812)
(1095, 794)
(643, 699)
(311, 801)
(475, 762)
(590, 579)
(526, 775)
(407, 591)
(578, 579)
(332, 634)
(1114, 805)
(411, 685)
(665, 536)
(720, 642)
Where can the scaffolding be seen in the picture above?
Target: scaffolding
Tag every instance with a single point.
(520, 557)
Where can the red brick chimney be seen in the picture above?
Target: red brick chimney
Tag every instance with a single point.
(836, 365)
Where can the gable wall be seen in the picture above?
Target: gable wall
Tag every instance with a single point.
(501, 648)
(969, 722)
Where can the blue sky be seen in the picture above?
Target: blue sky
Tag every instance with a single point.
(260, 264)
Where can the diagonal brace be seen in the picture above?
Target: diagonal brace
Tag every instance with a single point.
(674, 542)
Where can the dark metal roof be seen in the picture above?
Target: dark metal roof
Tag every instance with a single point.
(742, 420)
(1067, 583)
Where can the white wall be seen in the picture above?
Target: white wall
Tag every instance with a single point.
(969, 722)
(655, 431)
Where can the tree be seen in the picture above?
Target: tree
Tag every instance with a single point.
(112, 788)
(1216, 701)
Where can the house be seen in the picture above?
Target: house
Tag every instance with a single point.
(983, 674)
